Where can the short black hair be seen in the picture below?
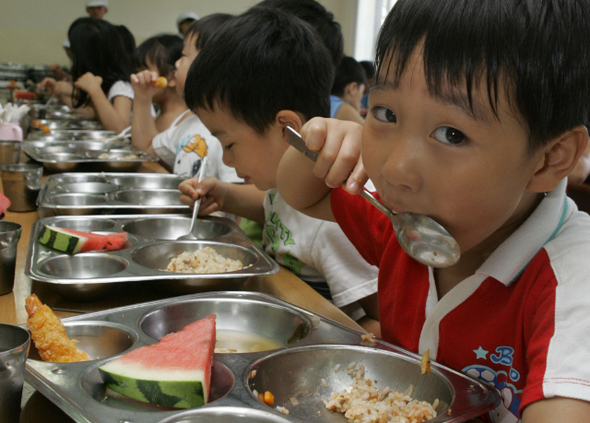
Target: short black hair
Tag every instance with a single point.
(162, 50)
(318, 17)
(97, 47)
(205, 27)
(260, 63)
(349, 70)
(369, 68)
(539, 51)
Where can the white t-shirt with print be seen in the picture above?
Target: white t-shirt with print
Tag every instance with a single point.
(317, 251)
(183, 146)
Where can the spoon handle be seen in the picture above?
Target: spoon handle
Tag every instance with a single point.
(198, 201)
(369, 197)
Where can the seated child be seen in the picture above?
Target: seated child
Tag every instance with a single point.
(155, 57)
(187, 141)
(478, 114)
(101, 68)
(350, 83)
(246, 93)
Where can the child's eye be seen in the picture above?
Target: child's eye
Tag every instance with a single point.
(448, 135)
(384, 114)
(228, 147)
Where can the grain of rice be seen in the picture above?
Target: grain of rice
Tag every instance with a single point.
(336, 368)
(324, 383)
(281, 409)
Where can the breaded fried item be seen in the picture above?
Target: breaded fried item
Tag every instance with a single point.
(161, 82)
(49, 334)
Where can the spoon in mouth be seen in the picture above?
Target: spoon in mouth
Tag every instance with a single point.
(425, 240)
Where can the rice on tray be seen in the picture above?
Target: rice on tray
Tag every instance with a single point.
(362, 402)
(206, 260)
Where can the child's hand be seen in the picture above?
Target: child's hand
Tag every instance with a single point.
(89, 83)
(339, 145)
(48, 84)
(143, 85)
(212, 191)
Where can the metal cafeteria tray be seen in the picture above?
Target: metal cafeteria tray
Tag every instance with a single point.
(152, 243)
(80, 193)
(65, 124)
(296, 359)
(68, 156)
(71, 135)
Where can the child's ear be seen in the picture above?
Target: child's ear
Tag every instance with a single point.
(559, 158)
(289, 118)
(351, 87)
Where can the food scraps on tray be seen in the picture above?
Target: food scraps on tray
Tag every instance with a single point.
(49, 334)
(206, 260)
(175, 372)
(363, 401)
(71, 241)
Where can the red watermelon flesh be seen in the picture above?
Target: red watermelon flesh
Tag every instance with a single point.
(175, 372)
(97, 242)
(4, 203)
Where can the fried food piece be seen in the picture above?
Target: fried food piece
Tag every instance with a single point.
(161, 82)
(425, 363)
(46, 129)
(49, 334)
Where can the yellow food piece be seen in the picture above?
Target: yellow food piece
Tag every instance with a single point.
(49, 334)
(161, 82)
(425, 363)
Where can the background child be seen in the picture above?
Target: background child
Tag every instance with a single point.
(187, 141)
(100, 70)
(477, 117)
(155, 57)
(350, 83)
(246, 93)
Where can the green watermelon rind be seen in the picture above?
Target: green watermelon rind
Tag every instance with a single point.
(61, 240)
(174, 393)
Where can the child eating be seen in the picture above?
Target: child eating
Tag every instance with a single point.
(479, 111)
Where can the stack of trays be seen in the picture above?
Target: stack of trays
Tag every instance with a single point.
(66, 124)
(152, 244)
(110, 193)
(297, 363)
(68, 156)
(71, 135)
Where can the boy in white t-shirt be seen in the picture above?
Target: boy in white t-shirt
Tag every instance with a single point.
(246, 94)
(183, 146)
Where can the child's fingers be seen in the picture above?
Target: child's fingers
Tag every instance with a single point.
(345, 160)
(187, 189)
(357, 179)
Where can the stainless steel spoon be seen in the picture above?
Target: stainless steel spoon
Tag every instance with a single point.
(192, 231)
(420, 236)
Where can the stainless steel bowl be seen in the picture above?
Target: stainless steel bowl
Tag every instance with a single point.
(9, 152)
(171, 229)
(148, 197)
(257, 319)
(97, 339)
(146, 181)
(88, 187)
(86, 266)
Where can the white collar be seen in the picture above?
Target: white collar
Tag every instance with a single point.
(509, 260)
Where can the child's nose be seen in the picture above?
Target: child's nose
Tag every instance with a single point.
(402, 165)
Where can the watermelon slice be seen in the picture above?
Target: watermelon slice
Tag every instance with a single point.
(175, 372)
(4, 203)
(71, 242)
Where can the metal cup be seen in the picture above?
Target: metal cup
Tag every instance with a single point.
(21, 184)
(9, 152)
(14, 347)
(9, 236)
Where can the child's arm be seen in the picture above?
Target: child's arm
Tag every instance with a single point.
(306, 186)
(370, 322)
(239, 199)
(62, 90)
(143, 125)
(557, 409)
(114, 117)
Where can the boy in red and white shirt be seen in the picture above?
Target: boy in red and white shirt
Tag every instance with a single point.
(478, 113)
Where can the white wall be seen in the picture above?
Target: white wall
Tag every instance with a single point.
(32, 31)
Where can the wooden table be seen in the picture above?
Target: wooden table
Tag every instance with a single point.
(36, 408)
